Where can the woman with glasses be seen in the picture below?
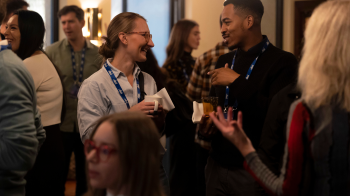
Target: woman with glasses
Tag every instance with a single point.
(116, 86)
(120, 85)
(25, 31)
(316, 157)
(179, 63)
(123, 156)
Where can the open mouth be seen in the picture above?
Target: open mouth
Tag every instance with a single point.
(144, 49)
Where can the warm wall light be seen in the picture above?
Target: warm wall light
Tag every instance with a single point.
(93, 19)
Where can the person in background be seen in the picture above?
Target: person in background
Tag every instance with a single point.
(21, 131)
(199, 83)
(316, 156)
(184, 38)
(77, 59)
(25, 32)
(123, 156)
(246, 79)
(198, 87)
(11, 7)
(179, 160)
(120, 85)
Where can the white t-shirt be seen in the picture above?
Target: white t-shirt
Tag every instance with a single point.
(48, 88)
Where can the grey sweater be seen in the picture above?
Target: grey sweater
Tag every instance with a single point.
(21, 132)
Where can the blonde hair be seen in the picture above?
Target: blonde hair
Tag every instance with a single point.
(324, 73)
(123, 22)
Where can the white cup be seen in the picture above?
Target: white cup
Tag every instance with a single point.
(156, 99)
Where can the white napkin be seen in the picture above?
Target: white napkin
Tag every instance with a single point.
(4, 43)
(167, 103)
(197, 112)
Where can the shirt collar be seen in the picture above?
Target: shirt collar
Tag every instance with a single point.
(136, 73)
(4, 45)
(89, 45)
(257, 48)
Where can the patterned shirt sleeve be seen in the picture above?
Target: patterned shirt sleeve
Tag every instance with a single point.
(194, 88)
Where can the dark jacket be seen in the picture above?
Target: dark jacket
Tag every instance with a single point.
(274, 70)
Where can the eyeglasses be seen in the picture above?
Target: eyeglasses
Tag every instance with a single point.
(147, 35)
(103, 152)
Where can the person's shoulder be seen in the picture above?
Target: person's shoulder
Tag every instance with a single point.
(13, 69)
(11, 62)
(279, 53)
(96, 77)
(92, 46)
(54, 48)
(55, 45)
(95, 81)
(147, 77)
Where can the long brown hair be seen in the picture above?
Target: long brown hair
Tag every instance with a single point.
(139, 154)
(178, 40)
(123, 22)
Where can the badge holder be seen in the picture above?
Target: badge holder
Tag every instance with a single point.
(74, 90)
(234, 109)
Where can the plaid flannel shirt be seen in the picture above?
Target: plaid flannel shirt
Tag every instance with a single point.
(200, 83)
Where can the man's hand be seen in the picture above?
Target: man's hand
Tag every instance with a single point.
(206, 127)
(223, 76)
(233, 130)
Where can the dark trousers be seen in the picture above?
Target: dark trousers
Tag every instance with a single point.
(182, 176)
(47, 173)
(73, 143)
(201, 161)
(230, 181)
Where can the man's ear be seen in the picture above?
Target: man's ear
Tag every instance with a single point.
(82, 23)
(249, 22)
(122, 37)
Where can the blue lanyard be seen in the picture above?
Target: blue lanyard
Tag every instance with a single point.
(185, 74)
(250, 70)
(119, 88)
(184, 70)
(5, 47)
(81, 66)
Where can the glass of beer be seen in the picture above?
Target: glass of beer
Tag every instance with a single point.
(209, 104)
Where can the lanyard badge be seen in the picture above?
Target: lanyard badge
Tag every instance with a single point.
(250, 70)
(75, 87)
(119, 88)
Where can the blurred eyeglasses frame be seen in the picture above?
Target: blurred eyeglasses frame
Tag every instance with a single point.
(90, 145)
(147, 35)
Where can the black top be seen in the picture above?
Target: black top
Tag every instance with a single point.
(176, 70)
(274, 70)
(273, 136)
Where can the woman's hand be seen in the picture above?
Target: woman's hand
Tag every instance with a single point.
(147, 108)
(233, 130)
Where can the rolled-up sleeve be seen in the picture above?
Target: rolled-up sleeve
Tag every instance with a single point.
(91, 107)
